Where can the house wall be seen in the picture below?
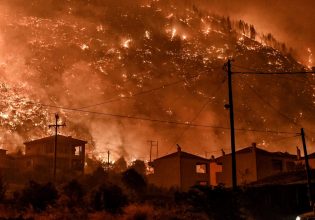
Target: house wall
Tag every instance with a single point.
(269, 165)
(41, 155)
(166, 173)
(245, 168)
(215, 170)
(189, 175)
(6, 165)
(311, 162)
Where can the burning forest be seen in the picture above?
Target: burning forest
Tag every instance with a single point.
(122, 72)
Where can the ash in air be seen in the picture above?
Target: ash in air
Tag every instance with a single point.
(95, 56)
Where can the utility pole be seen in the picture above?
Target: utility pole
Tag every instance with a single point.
(154, 144)
(56, 126)
(157, 149)
(108, 159)
(231, 108)
(308, 170)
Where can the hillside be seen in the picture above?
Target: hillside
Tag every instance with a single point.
(78, 55)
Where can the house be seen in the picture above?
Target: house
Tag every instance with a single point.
(6, 163)
(253, 164)
(39, 155)
(311, 160)
(180, 170)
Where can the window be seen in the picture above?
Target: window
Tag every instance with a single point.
(201, 168)
(290, 165)
(277, 165)
(202, 183)
(77, 151)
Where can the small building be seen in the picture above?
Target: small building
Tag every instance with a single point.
(253, 164)
(6, 163)
(311, 160)
(39, 155)
(180, 170)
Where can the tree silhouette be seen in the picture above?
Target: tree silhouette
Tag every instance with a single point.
(139, 166)
(120, 165)
(133, 180)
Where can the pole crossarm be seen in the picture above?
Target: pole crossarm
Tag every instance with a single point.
(56, 126)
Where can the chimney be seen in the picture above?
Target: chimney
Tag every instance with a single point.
(179, 149)
(298, 153)
(223, 153)
(254, 145)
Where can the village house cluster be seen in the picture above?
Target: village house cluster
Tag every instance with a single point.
(179, 170)
(183, 170)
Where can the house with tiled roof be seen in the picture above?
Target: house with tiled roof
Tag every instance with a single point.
(180, 170)
(253, 164)
(40, 154)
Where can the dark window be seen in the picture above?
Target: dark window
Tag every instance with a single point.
(290, 165)
(203, 183)
(277, 165)
(201, 168)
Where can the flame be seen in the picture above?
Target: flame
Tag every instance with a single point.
(126, 43)
(84, 47)
(173, 33)
(147, 34)
(207, 30)
(310, 58)
(169, 16)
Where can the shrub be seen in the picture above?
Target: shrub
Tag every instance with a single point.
(38, 196)
(217, 203)
(74, 191)
(109, 198)
(139, 212)
(134, 181)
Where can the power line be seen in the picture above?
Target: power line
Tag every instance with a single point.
(271, 106)
(265, 131)
(275, 73)
(203, 107)
(164, 121)
(283, 138)
(115, 99)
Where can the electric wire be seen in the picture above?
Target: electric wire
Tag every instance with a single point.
(203, 107)
(115, 99)
(166, 121)
(270, 105)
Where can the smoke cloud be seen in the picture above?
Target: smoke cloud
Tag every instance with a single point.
(77, 54)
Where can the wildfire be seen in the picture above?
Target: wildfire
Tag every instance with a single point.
(84, 47)
(126, 43)
(207, 30)
(147, 34)
(173, 33)
(310, 58)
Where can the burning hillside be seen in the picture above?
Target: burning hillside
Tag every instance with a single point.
(96, 56)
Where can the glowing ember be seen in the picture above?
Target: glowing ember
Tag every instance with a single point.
(173, 33)
(126, 43)
(310, 58)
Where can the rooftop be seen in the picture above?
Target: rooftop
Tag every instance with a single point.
(182, 154)
(59, 137)
(264, 152)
